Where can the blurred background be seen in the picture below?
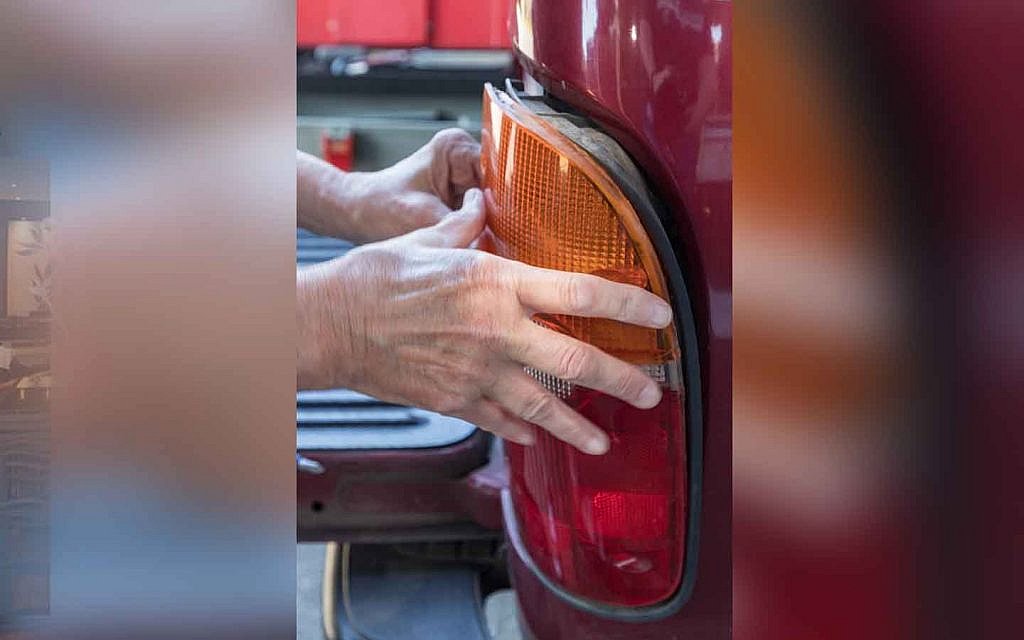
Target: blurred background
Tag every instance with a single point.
(160, 140)
(26, 285)
(377, 80)
(878, 236)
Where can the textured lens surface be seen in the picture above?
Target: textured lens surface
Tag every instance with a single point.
(546, 211)
(608, 528)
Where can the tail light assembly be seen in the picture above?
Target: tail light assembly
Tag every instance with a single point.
(616, 534)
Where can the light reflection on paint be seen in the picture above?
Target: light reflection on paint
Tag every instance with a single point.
(588, 25)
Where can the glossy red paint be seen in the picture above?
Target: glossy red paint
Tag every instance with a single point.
(656, 76)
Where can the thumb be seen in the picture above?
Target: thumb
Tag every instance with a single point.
(459, 228)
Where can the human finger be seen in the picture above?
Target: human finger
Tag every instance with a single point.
(577, 362)
(455, 165)
(580, 294)
(457, 229)
(523, 396)
(490, 416)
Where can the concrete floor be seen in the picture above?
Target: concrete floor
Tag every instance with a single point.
(499, 608)
(309, 567)
(500, 611)
(309, 572)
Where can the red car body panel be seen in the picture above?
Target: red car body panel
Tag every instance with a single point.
(441, 493)
(656, 76)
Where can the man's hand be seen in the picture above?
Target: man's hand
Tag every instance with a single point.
(369, 206)
(422, 320)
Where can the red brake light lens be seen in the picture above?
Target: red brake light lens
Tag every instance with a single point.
(608, 529)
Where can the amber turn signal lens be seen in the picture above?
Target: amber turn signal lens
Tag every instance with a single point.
(552, 206)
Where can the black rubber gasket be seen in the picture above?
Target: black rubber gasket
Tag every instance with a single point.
(620, 167)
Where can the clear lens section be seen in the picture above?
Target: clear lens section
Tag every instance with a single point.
(608, 528)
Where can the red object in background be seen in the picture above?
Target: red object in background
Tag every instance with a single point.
(338, 148)
(381, 23)
(471, 24)
(442, 24)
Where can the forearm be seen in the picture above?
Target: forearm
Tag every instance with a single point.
(323, 328)
(324, 198)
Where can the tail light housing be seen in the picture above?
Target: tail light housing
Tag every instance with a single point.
(613, 534)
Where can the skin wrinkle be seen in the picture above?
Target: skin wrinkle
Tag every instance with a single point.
(422, 319)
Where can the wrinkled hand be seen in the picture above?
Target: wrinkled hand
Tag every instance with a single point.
(416, 192)
(422, 320)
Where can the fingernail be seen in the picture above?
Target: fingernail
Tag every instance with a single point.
(649, 397)
(661, 315)
(596, 447)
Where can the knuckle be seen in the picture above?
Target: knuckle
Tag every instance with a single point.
(538, 406)
(627, 384)
(624, 306)
(486, 300)
(574, 362)
(577, 294)
(447, 137)
(573, 432)
(484, 273)
(478, 268)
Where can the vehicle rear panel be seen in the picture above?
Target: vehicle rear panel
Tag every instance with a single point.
(640, 70)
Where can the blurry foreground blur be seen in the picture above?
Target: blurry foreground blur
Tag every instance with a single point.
(169, 132)
(878, 333)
